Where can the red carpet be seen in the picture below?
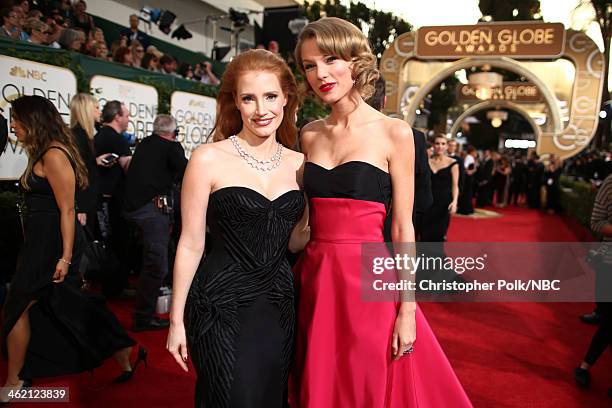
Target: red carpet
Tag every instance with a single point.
(505, 354)
(519, 354)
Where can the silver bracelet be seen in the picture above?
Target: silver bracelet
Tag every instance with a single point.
(65, 261)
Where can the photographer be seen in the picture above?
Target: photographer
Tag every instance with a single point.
(206, 74)
(158, 161)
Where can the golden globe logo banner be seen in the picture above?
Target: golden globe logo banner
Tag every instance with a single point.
(509, 91)
(516, 40)
(23, 77)
(140, 100)
(195, 116)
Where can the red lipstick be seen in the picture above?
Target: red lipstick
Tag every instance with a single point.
(327, 87)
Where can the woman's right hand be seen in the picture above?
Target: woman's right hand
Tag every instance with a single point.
(177, 344)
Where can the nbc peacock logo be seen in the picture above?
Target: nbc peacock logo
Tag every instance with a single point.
(17, 71)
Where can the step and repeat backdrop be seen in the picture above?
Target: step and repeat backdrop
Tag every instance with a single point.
(194, 113)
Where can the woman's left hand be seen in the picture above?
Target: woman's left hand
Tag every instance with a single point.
(61, 270)
(404, 334)
(452, 207)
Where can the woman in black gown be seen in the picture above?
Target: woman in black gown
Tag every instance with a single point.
(84, 113)
(552, 175)
(445, 189)
(236, 309)
(49, 326)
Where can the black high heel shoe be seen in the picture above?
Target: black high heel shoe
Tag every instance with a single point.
(27, 383)
(127, 375)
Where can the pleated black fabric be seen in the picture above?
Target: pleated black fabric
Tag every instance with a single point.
(240, 313)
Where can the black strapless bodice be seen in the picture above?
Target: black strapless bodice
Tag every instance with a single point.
(354, 179)
(442, 185)
(240, 313)
(39, 198)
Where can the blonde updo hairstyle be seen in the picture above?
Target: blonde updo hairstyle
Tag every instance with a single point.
(342, 39)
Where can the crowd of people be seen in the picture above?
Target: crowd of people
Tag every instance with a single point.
(67, 25)
(590, 166)
(490, 178)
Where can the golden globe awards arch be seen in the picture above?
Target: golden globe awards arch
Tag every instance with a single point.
(507, 46)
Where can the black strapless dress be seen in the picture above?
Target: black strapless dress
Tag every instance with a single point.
(71, 330)
(437, 217)
(240, 311)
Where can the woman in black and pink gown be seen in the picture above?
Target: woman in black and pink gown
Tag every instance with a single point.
(350, 352)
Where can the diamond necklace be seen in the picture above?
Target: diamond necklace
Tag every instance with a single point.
(262, 165)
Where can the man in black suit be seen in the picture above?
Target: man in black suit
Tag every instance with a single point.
(422, 172)
(535, 179)
(134, 34)
(484, 178)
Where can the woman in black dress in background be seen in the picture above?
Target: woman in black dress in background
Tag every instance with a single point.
(235, 309)
(445, 189)
(552, 175)
(49, 326)
(501, 179)
(84, 114)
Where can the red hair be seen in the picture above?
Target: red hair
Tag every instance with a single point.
(229, 121)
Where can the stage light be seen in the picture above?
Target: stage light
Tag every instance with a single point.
(497, 117)
(165, 21)
(162, 18)
(238, 17)
(150, 15)
(181, 33)
(218, 53)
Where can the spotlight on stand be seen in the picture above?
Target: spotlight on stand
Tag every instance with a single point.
(218, 53)
(238, 18)
(149, 15)
(181, 33)
(162, 18)
(165, 21)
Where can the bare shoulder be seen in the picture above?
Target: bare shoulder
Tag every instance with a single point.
(296, 158)
(451, 160)
(310, 131)
(209, 153)
(55, 158)
(314, 126)
(398, 132)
